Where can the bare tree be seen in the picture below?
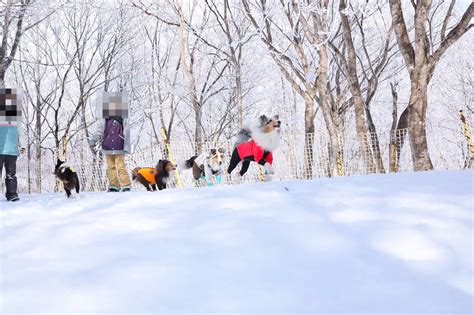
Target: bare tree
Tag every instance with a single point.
(297, 42)
(364, 66)
(421, 56)
(11, 11)
(236, 32)
(160, 89)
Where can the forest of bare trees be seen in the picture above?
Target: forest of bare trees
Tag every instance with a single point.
(342, 71)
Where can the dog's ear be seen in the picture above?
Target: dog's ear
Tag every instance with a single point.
(221, 150)
(59, 161)
(263, 120)
(276, 117)
(159, 164)
(213, 152)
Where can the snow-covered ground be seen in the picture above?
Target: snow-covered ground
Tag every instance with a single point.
(369, 244)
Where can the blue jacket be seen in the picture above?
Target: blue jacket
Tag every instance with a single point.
(11, 138)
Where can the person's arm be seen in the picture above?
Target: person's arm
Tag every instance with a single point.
(97, 134)
(127, 146)
(20, 137)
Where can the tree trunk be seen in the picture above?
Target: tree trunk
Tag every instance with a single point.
(28, 154)
(375, 144)
(198, 137)
(354, 85)
(326, 108)
(309, 136)
(239, 95)
(393, 155)
(38, 154)
(417, 122)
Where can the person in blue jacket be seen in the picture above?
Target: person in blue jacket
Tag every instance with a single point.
(11, 144)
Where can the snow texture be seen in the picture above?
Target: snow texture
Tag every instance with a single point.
(368, 244)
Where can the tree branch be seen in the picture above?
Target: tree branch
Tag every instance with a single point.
(399, 25)
(459, 30)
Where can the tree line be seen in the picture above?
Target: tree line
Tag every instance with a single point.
(201, 68)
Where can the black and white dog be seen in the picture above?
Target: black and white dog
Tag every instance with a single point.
(68, 176)
(206, 166)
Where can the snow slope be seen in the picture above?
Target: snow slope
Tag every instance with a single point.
(371, 244)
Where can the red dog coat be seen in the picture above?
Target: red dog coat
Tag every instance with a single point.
(251, 148)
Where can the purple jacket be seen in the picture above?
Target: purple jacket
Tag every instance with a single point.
(113, 139)
(113, 136)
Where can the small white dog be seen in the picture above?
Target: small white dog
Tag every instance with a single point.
(206, 166)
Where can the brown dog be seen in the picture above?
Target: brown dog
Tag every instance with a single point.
(151, 177)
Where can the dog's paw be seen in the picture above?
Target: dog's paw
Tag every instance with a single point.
(268, 178)
(269, 169)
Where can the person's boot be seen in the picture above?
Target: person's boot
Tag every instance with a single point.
(12, 197)
(11, 186)
(16, 198)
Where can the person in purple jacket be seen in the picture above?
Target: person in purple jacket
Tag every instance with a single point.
(114, 135)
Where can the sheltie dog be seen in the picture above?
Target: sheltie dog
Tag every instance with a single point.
(68, 176)
(256, 143)
(150, 177)
(206, 166)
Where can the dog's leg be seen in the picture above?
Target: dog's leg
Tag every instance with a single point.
(234, 160)
(143, 181)
(208, 175)
(245, 167)
(269, 169)
(154, 187)
(68, 192)
(196, 171)
(78, 186)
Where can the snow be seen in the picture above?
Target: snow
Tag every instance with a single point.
(368, 244)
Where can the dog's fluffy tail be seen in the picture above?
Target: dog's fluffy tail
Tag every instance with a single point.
(135, 173)
(244, 135)
(189, 163)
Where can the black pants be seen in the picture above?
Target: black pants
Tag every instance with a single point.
(235, 159)
(9, 161)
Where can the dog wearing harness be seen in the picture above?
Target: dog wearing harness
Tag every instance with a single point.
(151, 177)
(207, 166)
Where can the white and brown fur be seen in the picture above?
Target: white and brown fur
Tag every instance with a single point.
(67, 176)
(164, 173)
(265, 131)
(207, 165)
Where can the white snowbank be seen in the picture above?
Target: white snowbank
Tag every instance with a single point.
(372, 244)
